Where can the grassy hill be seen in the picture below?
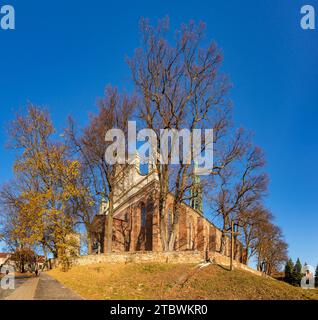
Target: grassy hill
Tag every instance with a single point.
(174, 281)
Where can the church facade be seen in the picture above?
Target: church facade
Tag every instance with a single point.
(136, 219)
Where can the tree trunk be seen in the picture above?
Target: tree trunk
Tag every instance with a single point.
(175, 223)
(45, 257)
(246, 256)
(89, 244)
(223, 243)
(89, 238)
(223, 237)
(258, 263)
(235, 248)
(164, 185)
(44, 251)
(162, 222)
(109, 230)
(172, 241)
(163, 235)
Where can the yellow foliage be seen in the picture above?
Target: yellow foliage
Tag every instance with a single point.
(48, 180)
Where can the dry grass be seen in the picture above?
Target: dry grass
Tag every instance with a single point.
(121, 281)
(217, 283)
(174, 281)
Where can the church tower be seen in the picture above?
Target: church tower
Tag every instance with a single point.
(196, 192)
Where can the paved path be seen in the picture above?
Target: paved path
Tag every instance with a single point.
(50, 289)
(26, 291)
(43, 287)
(18, 282)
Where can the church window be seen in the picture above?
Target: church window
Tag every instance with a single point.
(143, 215)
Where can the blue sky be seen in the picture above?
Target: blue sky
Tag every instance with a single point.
(62, 54)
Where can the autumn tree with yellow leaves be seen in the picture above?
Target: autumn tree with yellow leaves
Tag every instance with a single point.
(47, 180)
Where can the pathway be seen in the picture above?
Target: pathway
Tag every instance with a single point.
(19, 280)
(50, 289)
(43, 287)
(26, 291)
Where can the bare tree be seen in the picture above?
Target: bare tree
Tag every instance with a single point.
(250, 220)
(98, 175)
(271, 247)
(240, 185)
(179, 85)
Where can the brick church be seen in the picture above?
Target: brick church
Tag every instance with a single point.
(136, 218)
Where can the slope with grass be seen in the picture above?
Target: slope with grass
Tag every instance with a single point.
(174, 281)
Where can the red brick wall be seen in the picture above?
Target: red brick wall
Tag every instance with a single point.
(182, 244)
(200, 235)
(194, 231)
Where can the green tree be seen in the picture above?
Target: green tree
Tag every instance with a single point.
(297, 275)
(289, 269)
(316, 277)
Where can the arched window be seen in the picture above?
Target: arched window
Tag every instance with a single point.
(143, 215)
